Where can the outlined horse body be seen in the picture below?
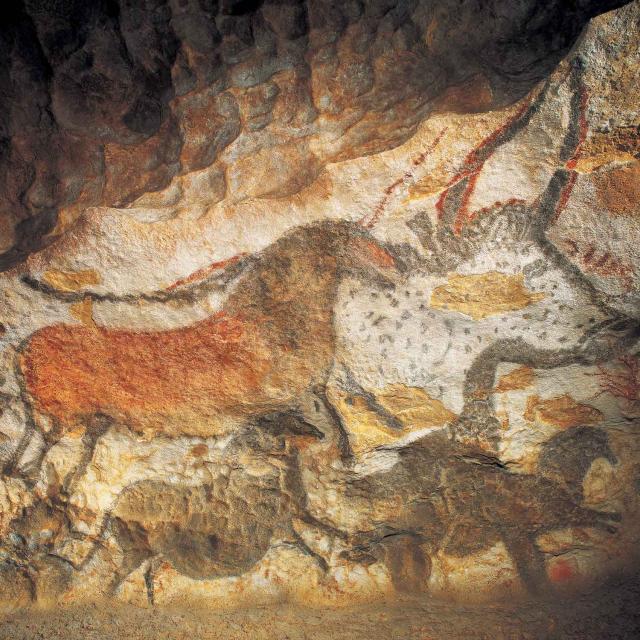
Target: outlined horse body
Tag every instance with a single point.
(272, 344)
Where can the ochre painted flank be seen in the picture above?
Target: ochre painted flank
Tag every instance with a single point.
(519, 378)
(71, 280)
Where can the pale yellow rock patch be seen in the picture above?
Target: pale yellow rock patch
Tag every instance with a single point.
(412, 406)
(71, 280)
(484, 294)
(599, 483)
(594, 162)
(426, 187)
(83, 311)
(519, 378)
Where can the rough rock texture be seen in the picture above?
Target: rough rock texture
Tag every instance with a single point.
(318, 302)
(107, 102)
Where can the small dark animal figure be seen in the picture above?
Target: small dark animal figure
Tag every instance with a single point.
(225, 527)
(271, 345)
(30, 549)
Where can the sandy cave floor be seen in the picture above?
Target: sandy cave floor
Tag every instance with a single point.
(610, 613)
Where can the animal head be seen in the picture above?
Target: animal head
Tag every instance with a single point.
(326, 249)
(567, 456)
(290, 425)
(364, 257)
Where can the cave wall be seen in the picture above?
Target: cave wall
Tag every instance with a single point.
(318, 301)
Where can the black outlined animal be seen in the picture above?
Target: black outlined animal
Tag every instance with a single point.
(271, 346)
(224, 527)
(460, 501)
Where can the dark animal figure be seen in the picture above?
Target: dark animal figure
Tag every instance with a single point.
(458, 501)
(272, 345)
(30, 549)
(225, 527)
(212, 530)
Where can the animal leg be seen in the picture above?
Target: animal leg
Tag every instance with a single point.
(409, 566)
(10, 467)
(148, 580)
(96, 428)
(303, 546)
(135, 548)
(528, 561)
(334, 418)
(50, 431)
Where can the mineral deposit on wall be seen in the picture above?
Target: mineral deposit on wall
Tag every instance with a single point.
(318, 301)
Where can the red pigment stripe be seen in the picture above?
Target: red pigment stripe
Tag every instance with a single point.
(473, 164)
(463, 215)
(377, 213)
(200, 274)
(584, 128)
(565, 195)
(573, 161)
(406, 176)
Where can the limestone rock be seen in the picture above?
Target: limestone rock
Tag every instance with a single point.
(318, 302)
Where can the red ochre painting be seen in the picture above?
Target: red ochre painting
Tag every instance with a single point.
(321, 304)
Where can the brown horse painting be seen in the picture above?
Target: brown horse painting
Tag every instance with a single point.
(272, 344)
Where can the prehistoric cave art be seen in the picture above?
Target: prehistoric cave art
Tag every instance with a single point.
(418, 373)
(272, 343)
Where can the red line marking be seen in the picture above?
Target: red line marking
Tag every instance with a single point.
(573, 161)
(463, 214)
(471, 168)
(392, 186)
(584, 128)
(606, 265)
(623, 382)
(565, 195)
(572, 246)
(589, 254)
(406, 177)
(200, 274)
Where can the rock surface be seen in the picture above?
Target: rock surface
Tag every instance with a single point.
(318, 302)
(607, 614)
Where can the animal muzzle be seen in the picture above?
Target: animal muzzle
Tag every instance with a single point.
(611, 338)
